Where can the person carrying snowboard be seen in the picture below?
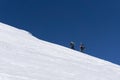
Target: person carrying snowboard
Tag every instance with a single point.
(72, 45)
(82, 47)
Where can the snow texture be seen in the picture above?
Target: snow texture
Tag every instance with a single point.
(24, 57)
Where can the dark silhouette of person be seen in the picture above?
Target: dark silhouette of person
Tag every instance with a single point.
(82, 47)
(72, 45)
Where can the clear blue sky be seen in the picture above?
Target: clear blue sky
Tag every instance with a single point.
(96, 23)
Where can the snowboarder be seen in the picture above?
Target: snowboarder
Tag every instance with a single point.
(72, 45)
(82, 47)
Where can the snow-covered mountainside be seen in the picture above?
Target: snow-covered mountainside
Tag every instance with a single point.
(24, 57)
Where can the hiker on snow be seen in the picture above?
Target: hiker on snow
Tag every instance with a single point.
(72, 45)
(82, 47)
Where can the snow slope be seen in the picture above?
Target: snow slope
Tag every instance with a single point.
(24, 57)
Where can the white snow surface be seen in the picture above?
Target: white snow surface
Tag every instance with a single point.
(24, 57)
